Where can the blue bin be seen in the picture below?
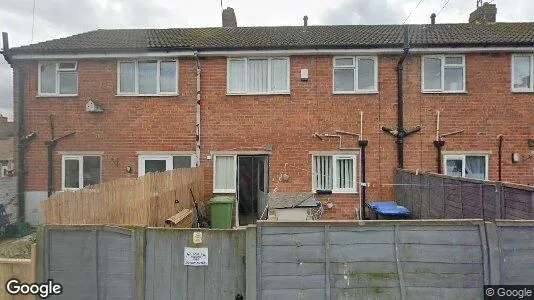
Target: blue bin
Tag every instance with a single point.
(388, 210)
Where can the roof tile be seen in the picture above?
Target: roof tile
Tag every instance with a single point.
(290, 37)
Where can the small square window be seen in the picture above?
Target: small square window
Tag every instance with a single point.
(58, 79)
(355, 74)
(443, 74)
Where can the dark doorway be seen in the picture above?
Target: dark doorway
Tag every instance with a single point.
(252, 188)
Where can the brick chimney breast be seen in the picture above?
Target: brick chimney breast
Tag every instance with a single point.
(484, 13)
(228, 18)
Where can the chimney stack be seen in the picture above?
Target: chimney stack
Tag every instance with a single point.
(228, 18)
(433, 18)
(305, 21)
(484, 13)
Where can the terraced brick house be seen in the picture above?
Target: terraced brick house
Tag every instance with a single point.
(278, 109)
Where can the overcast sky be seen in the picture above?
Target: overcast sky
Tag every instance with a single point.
(60, 18)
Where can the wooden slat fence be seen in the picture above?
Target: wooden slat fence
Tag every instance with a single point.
(146, 201)
(22, 269)
(392, 259)
(436, 196)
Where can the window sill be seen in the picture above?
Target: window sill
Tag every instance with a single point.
(356, 93)
(444, 92)
(339, 192)
(522, 91)
(258, 94)
(56, 95)
(147, 95)
(224, 191)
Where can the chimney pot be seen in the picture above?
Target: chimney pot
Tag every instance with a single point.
(305, 20)
(228, 18)
(433, 18)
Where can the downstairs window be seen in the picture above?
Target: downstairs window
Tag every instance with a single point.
(468, 166)
(79, 171)
(163, 162)
(336, 173)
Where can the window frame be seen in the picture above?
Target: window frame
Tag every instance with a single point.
(335, 188)
(355, 67)
(224, 191)
(57, 81)
(522, 90)
(168, 158)
(462, 157)
(158, 75)
(442, 58)
(269, 76)
(79, 158)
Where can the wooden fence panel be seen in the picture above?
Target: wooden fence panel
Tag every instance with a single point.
(406, 259)
(516, 245)
(371, 260)
(435, 196)
(21, 269)
(147, 200)
(90, 262)
(168, 277)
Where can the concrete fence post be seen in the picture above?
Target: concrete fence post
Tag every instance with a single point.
(139, 259)
(494, 253)
(250, 263)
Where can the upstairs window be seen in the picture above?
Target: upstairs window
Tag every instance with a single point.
(79, 171)
(336, 173)
(468, 166)
(258, 75)
(148, 77)
(443, 73)
(58, 78)
(355, 75)
(522, 73)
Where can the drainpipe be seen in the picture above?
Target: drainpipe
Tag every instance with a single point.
(400, 134)
(21, 136)
(400, 100)
(363, 144)
(197, 109)
(21, 143)
(50, 146)
(438, 143)
(500, 156)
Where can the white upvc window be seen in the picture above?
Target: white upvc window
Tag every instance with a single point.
(78, 171)
(355, 74)
(336, 173)
(443, 74)
(224, 173)
(474, 166)
(147, 77)
(522, 73)
(58, 79)
(258, 75)
(163, 162)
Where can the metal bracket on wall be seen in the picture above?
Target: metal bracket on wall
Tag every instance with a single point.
(339, 135)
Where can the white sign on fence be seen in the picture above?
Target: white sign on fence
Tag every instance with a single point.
(195, 256)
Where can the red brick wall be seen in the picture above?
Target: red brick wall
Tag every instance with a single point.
(287, 122)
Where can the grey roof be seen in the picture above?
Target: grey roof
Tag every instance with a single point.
(290, 200)
(290, 37)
